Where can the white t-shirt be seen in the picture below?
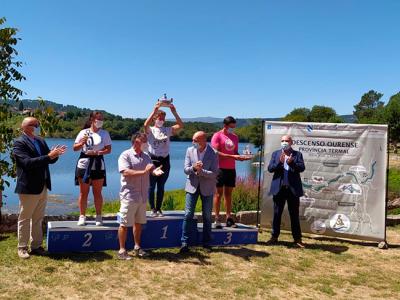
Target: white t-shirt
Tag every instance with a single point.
(158, 140)
(96, 141)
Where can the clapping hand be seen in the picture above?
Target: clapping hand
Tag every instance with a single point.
(198, 166)
(149, 168)
(57, 150)
(282, 157)
(290, 159)
(158, 171)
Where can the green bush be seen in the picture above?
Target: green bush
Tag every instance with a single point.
(394, 183)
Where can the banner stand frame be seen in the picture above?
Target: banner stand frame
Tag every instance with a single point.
(260, 168)
(384, 243)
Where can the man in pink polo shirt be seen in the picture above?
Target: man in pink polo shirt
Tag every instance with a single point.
(225, 142)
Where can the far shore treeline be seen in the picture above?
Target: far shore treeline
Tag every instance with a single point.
(68, 119)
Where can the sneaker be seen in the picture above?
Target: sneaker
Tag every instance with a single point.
(272, 241)
(160, 214)
(230, 223)
(23, 253)
(38, 251)
(217, 224)
(299, 244)
(184, 249)
(153, 214)
(99, 220)
(123, 256)
(140, 252)
(82, 220)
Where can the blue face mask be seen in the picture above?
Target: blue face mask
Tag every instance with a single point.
(285, 146)
(36, 131)
(230, 130)
(196, 146)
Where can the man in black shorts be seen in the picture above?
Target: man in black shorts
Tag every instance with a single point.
(226, 143)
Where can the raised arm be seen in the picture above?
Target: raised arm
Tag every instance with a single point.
(179, 124)
(150, 118)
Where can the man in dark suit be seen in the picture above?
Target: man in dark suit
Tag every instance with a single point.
(32, 156)
(286, 164)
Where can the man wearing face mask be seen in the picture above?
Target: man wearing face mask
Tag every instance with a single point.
(226, 143)
(32, 156)
(286, 164)
(158, 141)
(201, 166)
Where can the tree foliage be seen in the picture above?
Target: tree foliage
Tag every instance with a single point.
(318, 113)
(301, 114)
(9, 74)
(369, 110)
(392, 117)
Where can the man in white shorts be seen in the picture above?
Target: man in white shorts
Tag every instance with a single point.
(135, 167)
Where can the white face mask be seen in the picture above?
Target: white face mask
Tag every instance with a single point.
(98, 123)
(36, 131)
(230, 130)
(159, 123)
(285, 146)
(145, 147)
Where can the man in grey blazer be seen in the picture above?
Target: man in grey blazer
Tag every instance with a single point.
(201, 168)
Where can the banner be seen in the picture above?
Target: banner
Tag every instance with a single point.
(344, 181)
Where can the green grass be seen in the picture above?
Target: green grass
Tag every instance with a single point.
(327, 268)
(394, 183)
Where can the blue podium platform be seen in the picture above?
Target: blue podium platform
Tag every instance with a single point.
(241, 235)
(158, 232)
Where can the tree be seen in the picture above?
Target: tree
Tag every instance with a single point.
(301, 114)
(256, 131)
(9, 74)
(392, 117)
(21, 106)
(370, 109)
(326, 114)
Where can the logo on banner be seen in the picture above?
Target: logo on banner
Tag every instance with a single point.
(340, 223)
(269, 126)
(318, 227)
(310, 128)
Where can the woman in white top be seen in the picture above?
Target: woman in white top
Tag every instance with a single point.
(93, 142)
(158, 137)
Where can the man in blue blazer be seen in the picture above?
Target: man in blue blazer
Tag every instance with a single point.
(201, 168)
(32, 157)
(286, 164)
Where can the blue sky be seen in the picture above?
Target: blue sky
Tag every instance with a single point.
(216, 58)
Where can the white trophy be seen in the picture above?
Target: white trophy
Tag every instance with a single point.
(165, 101)
(247, 154)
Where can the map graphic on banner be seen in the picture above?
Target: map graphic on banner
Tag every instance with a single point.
(344, 182)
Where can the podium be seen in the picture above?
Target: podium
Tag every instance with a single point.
(241, 235)
(158, 232)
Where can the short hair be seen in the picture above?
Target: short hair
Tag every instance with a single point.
(136, 135)
(229, 120)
